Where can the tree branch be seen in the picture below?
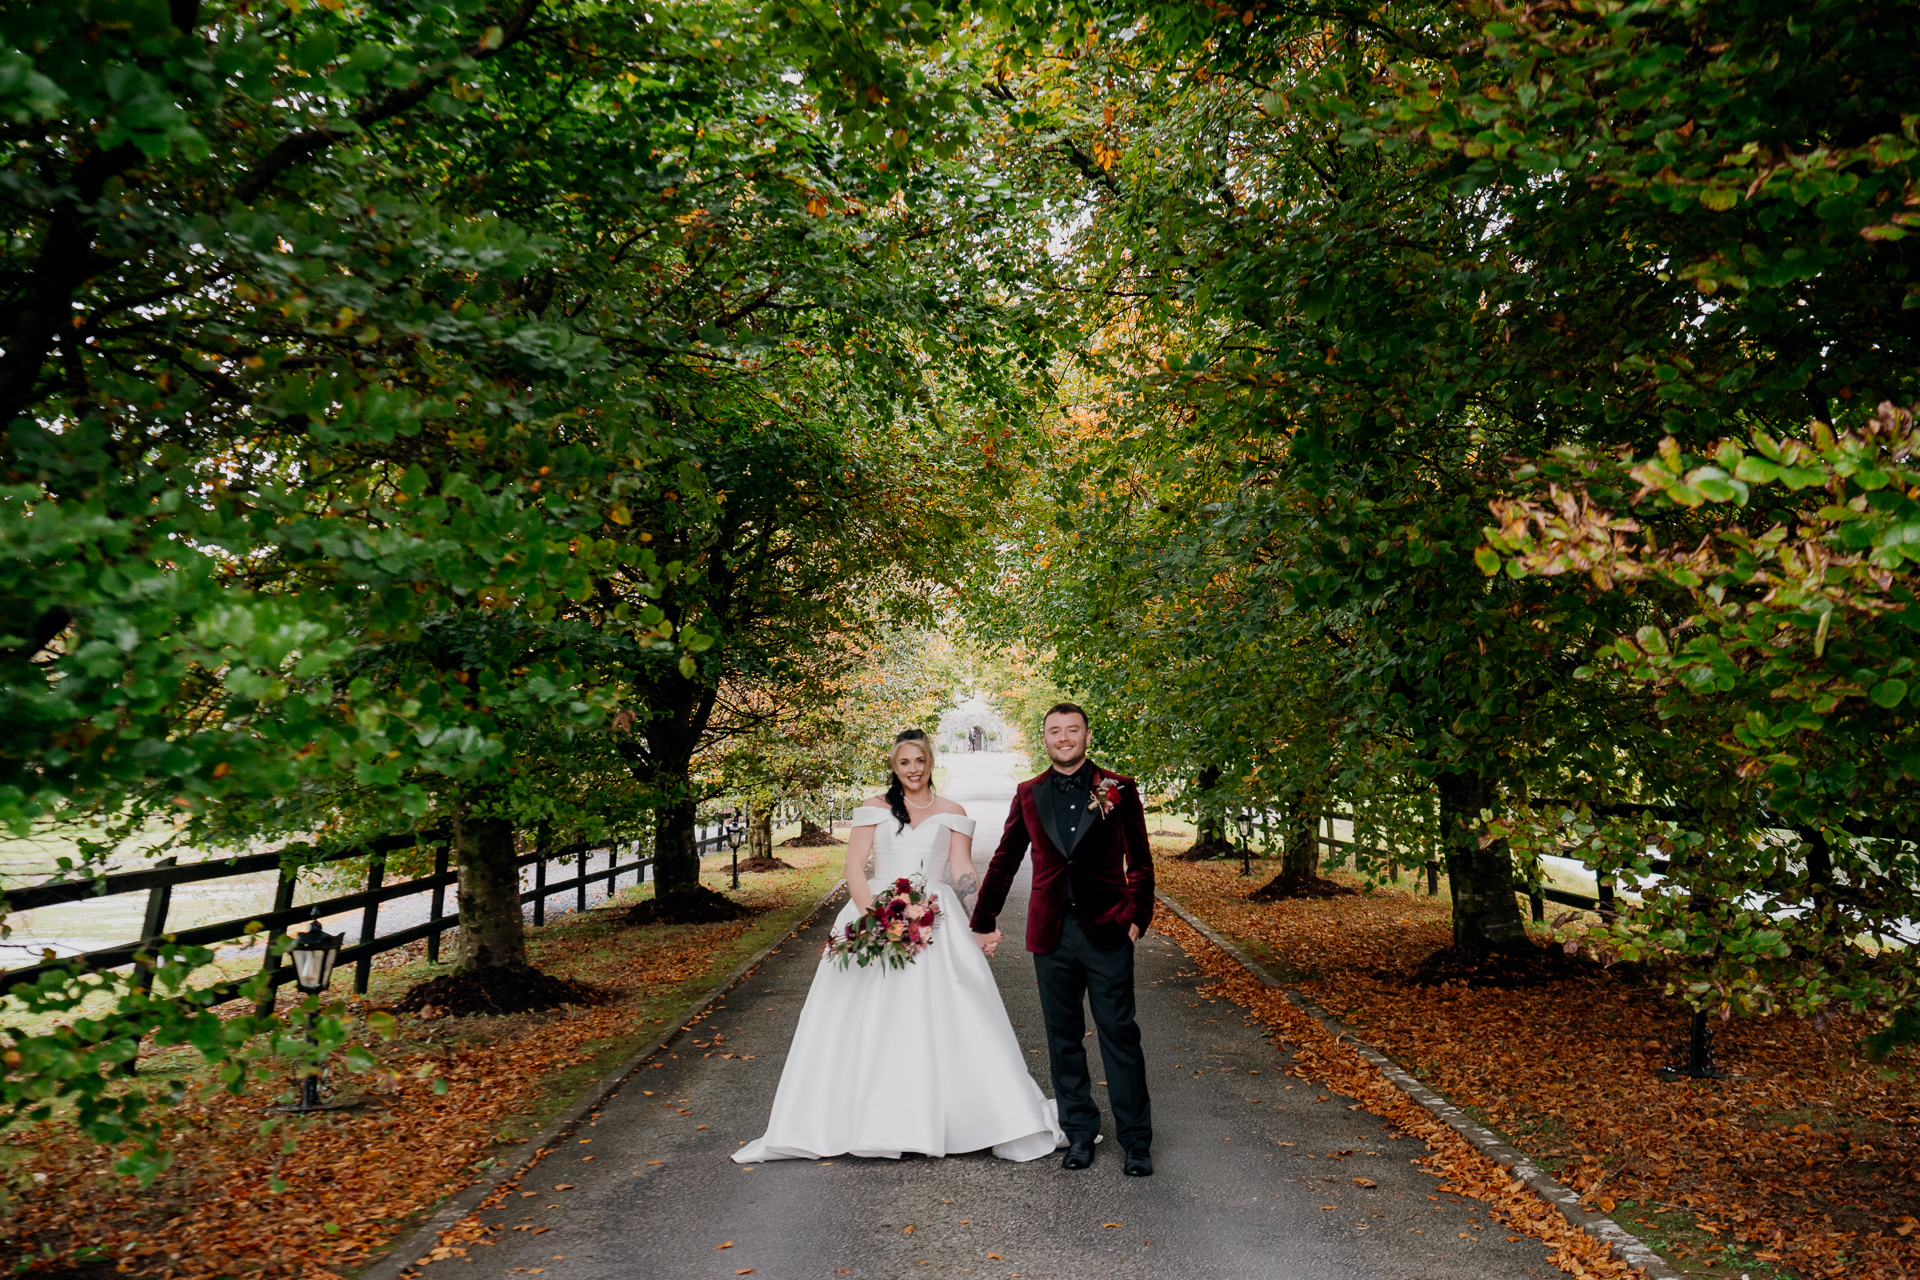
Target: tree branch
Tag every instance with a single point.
(297, 148)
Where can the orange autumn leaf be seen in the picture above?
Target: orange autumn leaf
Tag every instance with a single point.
(1537, 1058)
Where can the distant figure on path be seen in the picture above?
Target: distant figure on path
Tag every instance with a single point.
(1092, 899)
(921, 1058)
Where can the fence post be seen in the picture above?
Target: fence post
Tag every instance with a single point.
(542, 845)
(270, 963)
(439, 903)
(152, 928)
(580, 890)
(1433, 879)
(1606, 898)
(1537, 901)
(159, 899)
(369, 922)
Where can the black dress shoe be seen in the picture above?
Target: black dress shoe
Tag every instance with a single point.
(1139, 1164)
(1079, 1154)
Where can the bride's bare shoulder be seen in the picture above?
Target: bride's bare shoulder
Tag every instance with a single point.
(945, 805)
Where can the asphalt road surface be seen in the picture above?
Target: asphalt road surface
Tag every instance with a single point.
(651, 1192)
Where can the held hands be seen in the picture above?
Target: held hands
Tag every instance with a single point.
(988, 941)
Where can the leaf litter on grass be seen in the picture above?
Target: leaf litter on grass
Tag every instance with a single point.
(236, 1202)
(1806, 1157)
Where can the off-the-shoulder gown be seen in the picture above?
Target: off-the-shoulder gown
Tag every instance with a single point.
(887, 1061)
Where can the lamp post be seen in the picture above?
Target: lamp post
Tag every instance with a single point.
(1245, 822)
(736, 832)
(314, 955)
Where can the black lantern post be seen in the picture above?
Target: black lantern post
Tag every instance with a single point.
(1245, 822)
(314, 954)
(736, 832)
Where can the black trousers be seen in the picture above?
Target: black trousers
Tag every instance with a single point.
(1074, 969)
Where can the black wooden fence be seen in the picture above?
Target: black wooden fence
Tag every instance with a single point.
(1538, 895)
(158, 882)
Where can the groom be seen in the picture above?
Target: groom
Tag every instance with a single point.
(1092, 899)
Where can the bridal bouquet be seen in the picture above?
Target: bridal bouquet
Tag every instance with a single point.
(895, 929)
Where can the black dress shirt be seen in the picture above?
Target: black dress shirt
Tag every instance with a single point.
(1064, 800)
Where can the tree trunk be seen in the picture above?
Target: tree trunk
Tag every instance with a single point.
(759, 832)
(676, 861)
(1486, 914)
(809, 829)
(492, 931)
(1211, 840)
(1300, 857)
(1211, 829)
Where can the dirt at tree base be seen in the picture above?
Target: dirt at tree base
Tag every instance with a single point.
(1206, 849)
(1530, 966)
(83, 1271)
(809, 840)
(1308, 886)
(496, 989)
(699, 905)
(767, 863)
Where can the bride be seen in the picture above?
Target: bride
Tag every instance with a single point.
(886, 1061)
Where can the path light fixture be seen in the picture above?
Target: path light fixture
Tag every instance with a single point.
(1695, 1059)
(1245, 822)
(314, 954)
(735, 834)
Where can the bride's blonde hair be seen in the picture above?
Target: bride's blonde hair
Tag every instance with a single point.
(897, 790)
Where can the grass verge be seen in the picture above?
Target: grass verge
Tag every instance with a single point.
(254, 1194)
(1723, 1177)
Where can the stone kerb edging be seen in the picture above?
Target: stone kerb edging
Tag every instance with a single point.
(404, 1254)
(1626, 1246)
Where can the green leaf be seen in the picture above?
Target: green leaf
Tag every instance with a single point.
(1889, 693)
(1488, 560)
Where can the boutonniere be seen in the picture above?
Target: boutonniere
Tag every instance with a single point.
(1104, 794)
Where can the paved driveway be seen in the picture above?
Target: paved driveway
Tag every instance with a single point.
(1260, 1174)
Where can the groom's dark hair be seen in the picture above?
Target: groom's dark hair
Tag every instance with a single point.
(1067, 709)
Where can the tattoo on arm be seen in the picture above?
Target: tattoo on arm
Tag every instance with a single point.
(968, 887)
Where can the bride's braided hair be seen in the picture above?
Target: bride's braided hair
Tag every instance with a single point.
(897, 790)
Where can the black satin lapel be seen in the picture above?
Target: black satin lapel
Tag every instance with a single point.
(1047, 821)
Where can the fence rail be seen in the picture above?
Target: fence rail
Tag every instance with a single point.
(158, 883)
(1538, 894)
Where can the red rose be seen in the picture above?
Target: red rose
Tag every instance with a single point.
(903, 884)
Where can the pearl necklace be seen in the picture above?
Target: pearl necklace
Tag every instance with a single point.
(912, 805)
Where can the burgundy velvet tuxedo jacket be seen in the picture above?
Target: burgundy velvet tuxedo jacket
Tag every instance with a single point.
(1111, 867)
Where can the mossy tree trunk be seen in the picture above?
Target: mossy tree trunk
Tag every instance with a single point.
(759, 832)
(1486, 914)
(493, 933)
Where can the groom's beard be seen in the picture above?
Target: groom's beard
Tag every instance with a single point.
(1068, 766)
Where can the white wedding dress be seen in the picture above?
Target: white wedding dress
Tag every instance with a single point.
(886, 1061)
